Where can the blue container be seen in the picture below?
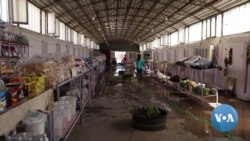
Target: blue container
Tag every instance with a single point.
(3, 100)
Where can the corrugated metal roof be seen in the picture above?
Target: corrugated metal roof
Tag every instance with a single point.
(132, 20)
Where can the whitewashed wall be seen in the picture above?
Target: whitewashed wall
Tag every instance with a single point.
(160, 52)
(171, 54)
(238, 67)
(180, 52)
(237, 70)
(165, 54)
(35, 42)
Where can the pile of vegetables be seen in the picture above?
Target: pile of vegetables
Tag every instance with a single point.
(192, 86)
(188, 84)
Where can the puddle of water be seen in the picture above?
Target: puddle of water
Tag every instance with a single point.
(196, 114)
(195, 117)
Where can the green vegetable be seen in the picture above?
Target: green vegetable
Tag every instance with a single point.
(182, 83)
(213, 91)
(194, 90)
(206, 91)
(152, 112)
(198, 90)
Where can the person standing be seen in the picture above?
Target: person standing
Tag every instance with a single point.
(114, 61)
(124, 60)
(139, 64)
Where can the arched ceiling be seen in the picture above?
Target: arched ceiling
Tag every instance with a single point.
(132, 20)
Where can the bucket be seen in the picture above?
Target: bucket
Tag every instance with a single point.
(35, 122)
(66, 105)
(72, 101)
(58, 117)
(64, 111)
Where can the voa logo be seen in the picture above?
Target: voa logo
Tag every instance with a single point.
(224, 118)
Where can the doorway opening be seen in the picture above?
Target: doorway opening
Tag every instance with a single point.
(119, 56)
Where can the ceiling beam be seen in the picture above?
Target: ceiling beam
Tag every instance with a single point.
(161, 11)
(83, 28)
(122, 15)
(66, 24)
(170, 16)
(172, 20)
(81, 7)
(100, 23)
(145, 15)
(107, 17)
(109, 9)
(174, 7)
(68, 1)
(89, 19)
(204, 6)
(119, 15)
(147, 36)
(184, 12)
(51, 4)
(125, 16)
(79, 22)
(36, 3)
(131, 21)
(117, 6)
(132, 8)
(91, 28)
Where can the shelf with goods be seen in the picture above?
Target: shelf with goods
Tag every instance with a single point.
(10, 118)
(101, 67)
(93, 79)
(101, 79)
(97, 79)
(25, 97)
(198, 75)
(22, 98)
(10, 54)
(199, 83)
(201, 98)
(205, 95)
(55, 74)
(19, 90)
(77, 86)
(37, 74)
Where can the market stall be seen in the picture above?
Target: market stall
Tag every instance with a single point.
(54, 89)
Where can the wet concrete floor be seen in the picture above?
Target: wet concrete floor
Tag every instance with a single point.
(107, 117)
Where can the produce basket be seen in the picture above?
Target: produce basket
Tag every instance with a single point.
(149, 118)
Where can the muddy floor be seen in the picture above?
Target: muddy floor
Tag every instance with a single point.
(107, 117)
